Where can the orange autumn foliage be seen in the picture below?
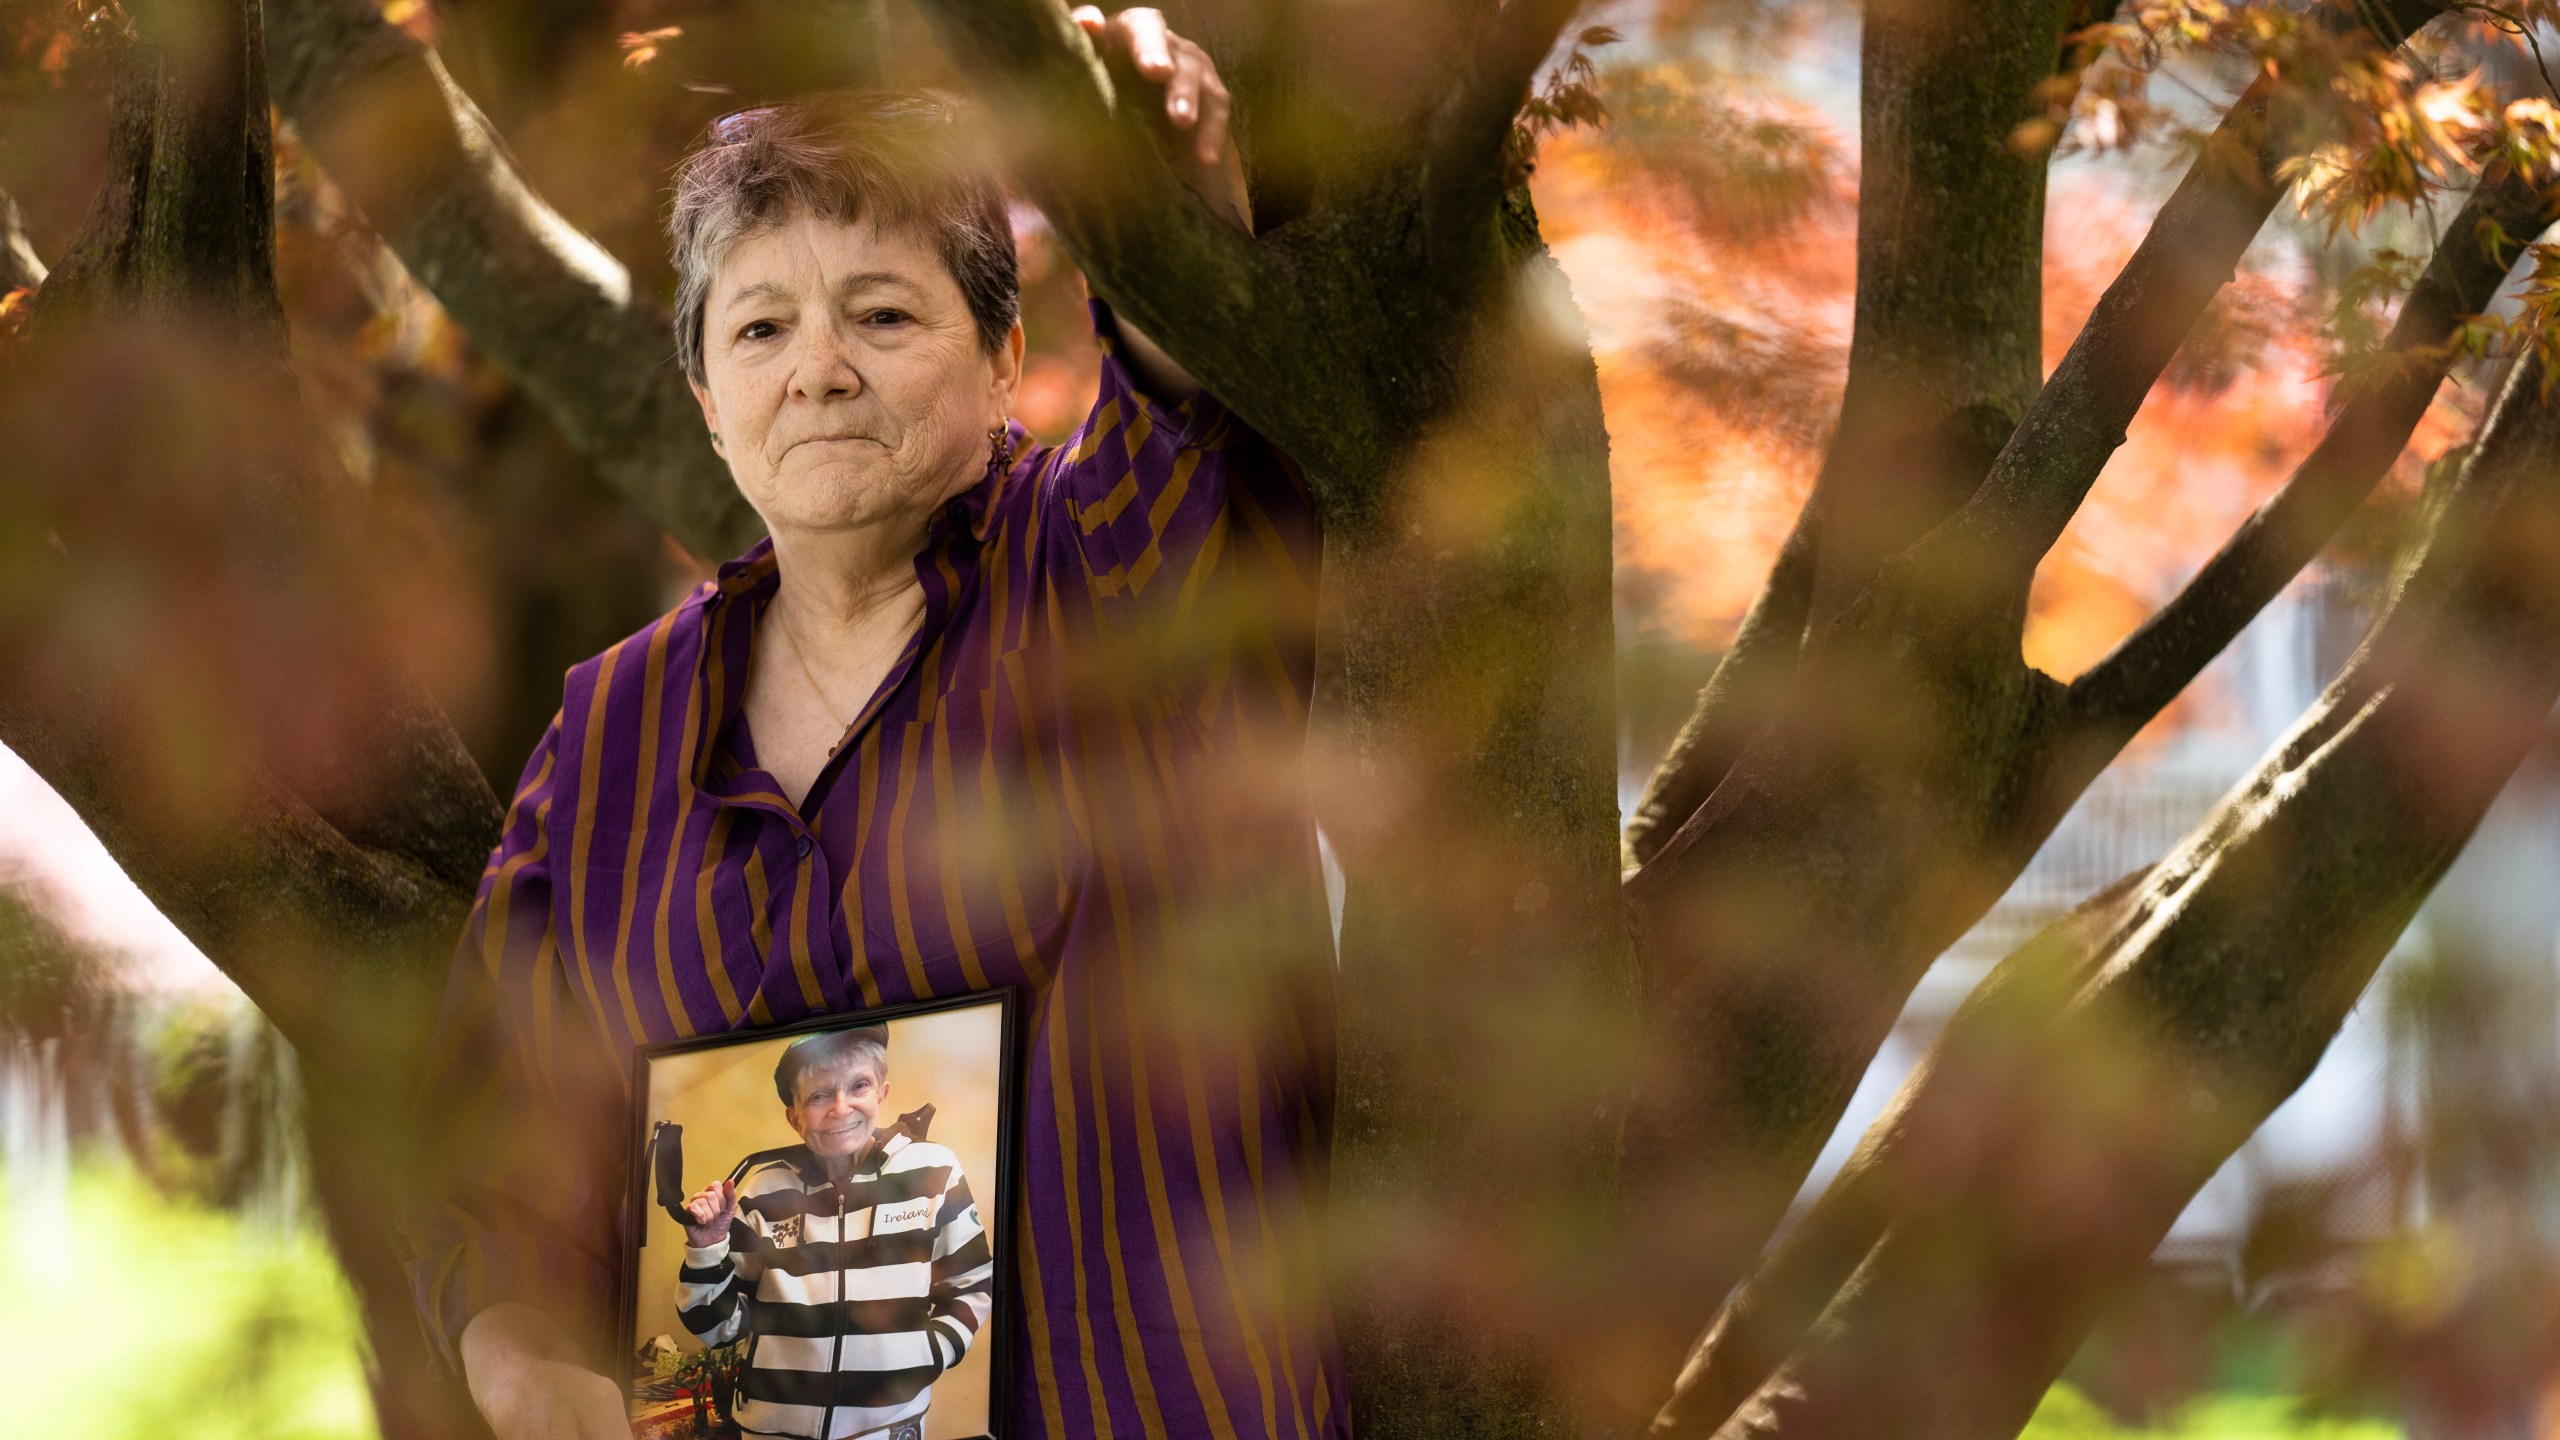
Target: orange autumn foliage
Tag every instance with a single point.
(1721, 352)
(1693, 318)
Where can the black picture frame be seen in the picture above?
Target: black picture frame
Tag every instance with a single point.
(995, 1205)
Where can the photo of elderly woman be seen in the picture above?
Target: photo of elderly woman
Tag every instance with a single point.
(817, 1259)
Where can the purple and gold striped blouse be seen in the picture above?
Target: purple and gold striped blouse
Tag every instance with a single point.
(1083, 776)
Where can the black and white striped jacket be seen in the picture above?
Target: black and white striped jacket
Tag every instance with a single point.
(855, 1295)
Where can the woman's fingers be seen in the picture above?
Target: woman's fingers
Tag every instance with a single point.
(711, 1202)
(1182, 90)
(1214, 106)
(1194, 98)
(1149, 40)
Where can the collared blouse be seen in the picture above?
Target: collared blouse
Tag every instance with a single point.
(1083, 776)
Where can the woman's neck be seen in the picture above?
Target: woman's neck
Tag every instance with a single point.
(840, 587)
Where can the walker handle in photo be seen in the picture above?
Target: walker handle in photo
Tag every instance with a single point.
(666, 1158)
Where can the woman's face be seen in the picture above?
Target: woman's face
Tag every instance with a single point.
(838, 1111)
(846, 382)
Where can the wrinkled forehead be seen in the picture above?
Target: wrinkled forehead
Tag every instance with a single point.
(841, 1075)
(801, 248)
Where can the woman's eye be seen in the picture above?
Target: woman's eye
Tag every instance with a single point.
(888, 317)
(759, 330)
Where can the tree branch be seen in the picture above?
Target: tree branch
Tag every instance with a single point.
(2233, 965)
(2119, 695)
(1741, 696)
(1462, 154)
(290, 908)
(541, 299)
(1769, 1314)
(1236, 313)
(1946, 353)
(2079, 417)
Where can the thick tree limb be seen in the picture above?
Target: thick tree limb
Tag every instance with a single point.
(1743, 695)
(1221, 304)
(1453, 440)
(330, 887)
(542, 300)
(1947, 350)
(1263, 50)
(2119, 694)
(1331, 336)
(167, 234)
(1769, 1313)
(1462, 157)
(2232, 967)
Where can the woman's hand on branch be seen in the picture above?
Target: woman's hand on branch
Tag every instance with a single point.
(1195, 99)
(1196, 107)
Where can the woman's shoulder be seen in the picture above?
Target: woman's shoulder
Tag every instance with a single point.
(651, 660)
(914, 1154)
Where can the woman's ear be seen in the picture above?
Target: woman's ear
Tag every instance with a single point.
(1008, 371)
(710, 410)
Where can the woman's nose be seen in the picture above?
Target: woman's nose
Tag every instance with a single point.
(822, 368)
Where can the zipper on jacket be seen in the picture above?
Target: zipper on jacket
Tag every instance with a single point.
(835, 1367)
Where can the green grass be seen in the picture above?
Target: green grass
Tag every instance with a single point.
(136, 1315)
(130, 1314)
(2066, 1414)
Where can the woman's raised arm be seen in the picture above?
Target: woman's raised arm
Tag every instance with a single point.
(1195, 103)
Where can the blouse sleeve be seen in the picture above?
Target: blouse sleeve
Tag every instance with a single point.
(1166, 502)
(520, 1121)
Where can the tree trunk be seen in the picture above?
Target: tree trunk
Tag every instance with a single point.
(1484, 989)
(1945, 357)
(325, 859)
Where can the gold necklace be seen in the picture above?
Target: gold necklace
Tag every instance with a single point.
(810, 676)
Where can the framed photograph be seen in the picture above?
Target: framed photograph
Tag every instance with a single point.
(822, 1247)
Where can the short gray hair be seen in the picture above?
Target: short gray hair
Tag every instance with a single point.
(826, 1050)
(900, 159)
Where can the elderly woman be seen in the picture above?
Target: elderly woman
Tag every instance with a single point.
(979, 713)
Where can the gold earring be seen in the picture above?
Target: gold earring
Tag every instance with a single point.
(1000, 444)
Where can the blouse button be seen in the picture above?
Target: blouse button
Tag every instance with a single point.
(803, 846)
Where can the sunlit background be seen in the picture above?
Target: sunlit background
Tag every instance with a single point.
(2316, 1288)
